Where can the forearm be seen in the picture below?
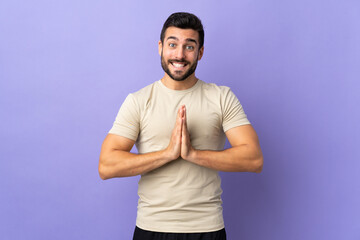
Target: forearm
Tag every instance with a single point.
(117, 163)
(243, 158)
(116, 160)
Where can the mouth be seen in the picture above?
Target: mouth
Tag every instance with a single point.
(178, 65)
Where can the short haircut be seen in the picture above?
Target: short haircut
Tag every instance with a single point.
(184, 20)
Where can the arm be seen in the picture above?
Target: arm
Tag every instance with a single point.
(117, 161)
(244, 155)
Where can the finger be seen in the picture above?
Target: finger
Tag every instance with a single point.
(179, 111)
(182, 111)
(179, 132)
(184, 115)
(183, 121)
(183, 136)
(178, 115)
(178, 118)
(178, 127)
(184, 131)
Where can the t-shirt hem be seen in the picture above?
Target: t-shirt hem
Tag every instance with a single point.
(112, 131)
(180, 230)
(238, 124)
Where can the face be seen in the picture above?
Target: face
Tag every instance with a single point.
(180, 52)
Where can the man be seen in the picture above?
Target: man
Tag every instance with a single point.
(179, 125)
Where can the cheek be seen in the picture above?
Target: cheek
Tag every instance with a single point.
(165, 53)
(193, 57)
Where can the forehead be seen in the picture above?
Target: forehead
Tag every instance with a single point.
(181, 34)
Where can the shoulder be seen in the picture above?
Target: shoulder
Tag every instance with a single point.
(144, 94)
(223, 94)
(145, 91)
(216, 89)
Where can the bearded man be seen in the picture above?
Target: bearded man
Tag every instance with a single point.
(179, 125)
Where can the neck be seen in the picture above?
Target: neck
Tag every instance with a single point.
(179, 85)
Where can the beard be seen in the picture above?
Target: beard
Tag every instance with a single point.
(182, 77)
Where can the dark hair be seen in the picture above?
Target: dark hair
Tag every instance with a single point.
(184, 20)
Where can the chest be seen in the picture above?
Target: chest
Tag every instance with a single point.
(204, 120)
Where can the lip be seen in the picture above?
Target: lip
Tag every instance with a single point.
(178, 65)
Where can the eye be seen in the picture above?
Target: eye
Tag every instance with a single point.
(172, 45)
(190, 47)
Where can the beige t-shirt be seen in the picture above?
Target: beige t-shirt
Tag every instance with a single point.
(179, 196)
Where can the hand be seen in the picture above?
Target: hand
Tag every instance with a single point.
(174, 148)
(187, 151)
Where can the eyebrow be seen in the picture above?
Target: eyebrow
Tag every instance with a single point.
(188, 39)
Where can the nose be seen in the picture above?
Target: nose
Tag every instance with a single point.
(179, 53)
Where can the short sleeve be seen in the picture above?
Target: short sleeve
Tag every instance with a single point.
(233, 112)
(127, 122)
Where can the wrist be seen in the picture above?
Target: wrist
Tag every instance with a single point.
(192, 156)
(168, 155)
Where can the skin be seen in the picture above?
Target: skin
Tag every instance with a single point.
(181, 46)
(184, 50)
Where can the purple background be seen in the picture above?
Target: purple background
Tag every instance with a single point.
(66, 66)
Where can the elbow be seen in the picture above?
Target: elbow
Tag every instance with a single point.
(107, 170)
(103, 173)
(258, 164)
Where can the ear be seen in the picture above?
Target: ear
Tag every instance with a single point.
(201, 52)
(160, 47)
